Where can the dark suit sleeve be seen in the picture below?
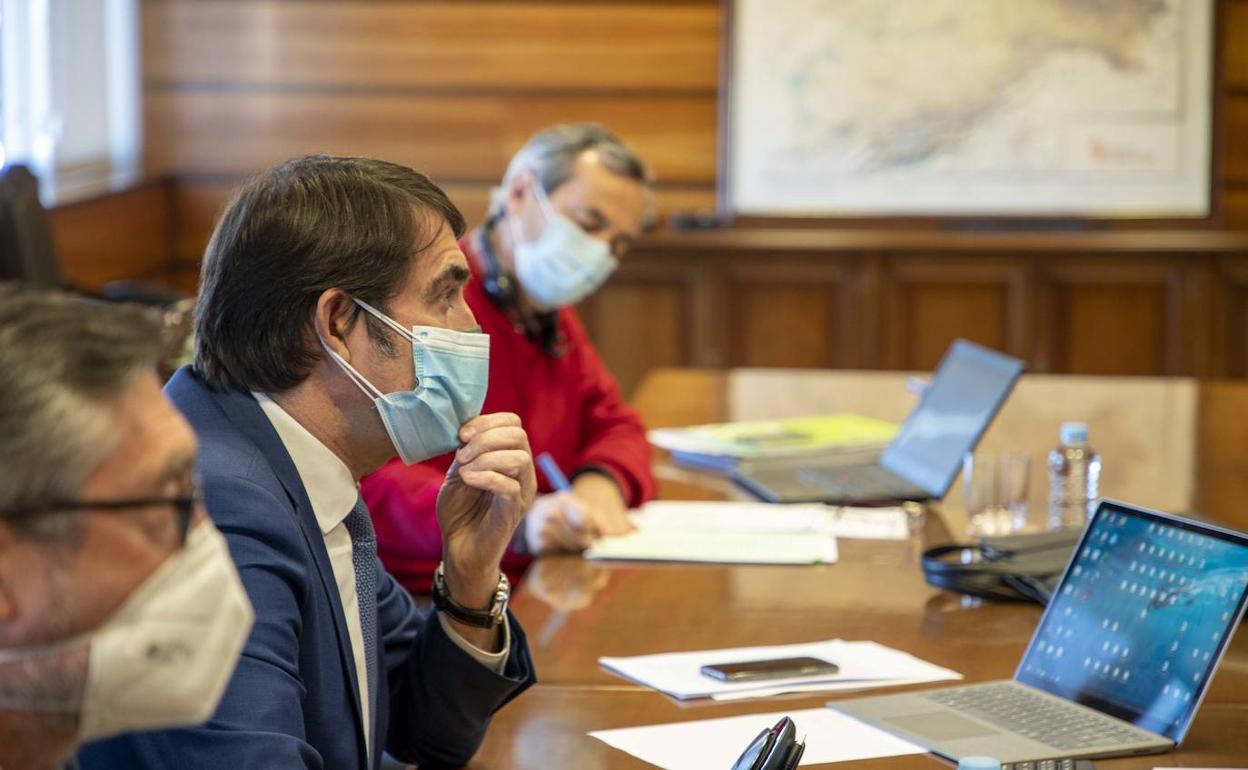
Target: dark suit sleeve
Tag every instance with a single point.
(441, 699)
(259, 724)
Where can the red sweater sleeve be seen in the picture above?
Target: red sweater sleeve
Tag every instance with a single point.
(402, 500)
(613, 438)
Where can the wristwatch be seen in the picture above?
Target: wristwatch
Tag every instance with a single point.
(489, 618)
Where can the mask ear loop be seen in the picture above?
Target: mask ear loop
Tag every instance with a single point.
(387, 320)
(543, 203)
(352, 374)
(393, 324)
(543, 200)
(517, 232)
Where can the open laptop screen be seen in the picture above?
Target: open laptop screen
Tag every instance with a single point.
(1141, 617)
(968, 388)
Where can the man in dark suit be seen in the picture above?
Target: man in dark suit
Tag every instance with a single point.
(330, 335)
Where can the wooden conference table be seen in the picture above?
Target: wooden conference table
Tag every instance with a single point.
(575, 611)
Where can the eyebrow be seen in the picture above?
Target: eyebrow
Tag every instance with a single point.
(452, 277)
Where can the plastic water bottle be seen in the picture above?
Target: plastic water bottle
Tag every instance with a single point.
(979, 763)
(1074, 478)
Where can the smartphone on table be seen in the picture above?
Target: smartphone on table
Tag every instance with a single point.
(776, 668)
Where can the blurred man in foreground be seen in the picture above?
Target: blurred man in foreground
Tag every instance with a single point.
(120, 608)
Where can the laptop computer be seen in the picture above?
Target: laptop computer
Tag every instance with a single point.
(921, 462)
(1119, 662)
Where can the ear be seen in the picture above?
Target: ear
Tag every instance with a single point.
(335, 317)
(518, 190)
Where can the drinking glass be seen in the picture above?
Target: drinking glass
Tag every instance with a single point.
(995, 485)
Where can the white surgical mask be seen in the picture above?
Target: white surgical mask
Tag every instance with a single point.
(564, 265)
(164, 657)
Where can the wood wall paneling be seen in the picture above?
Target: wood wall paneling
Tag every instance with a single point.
(790, 314)
(1235, 206)
(450, 88)
(115, 237)
(1235, 114)
(1222, 482)
(443, 46)
(196, 208)
(450, 137)
(931, 299)
(638, 323)
(1236, 122)
(1230, 331)
(1115, 317)
(454, 88)
(1061, 311)
(1234, 47)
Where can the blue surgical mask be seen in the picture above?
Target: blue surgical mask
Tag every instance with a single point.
(564, 265)
(452, 374)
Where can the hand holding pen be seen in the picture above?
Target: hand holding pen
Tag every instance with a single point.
(558, 522)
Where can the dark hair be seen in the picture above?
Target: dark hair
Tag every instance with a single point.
(63, 362)
(308, 225)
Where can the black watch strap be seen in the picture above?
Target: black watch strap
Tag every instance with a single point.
(491, 617)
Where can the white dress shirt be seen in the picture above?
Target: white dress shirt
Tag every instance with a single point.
(333, 491)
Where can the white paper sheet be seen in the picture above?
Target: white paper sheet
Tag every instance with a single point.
(850, 686)
(718, 546)
(714, 744)
(874, 523)
(747, 533)
(862, 665)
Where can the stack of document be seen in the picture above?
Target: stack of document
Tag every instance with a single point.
(840, 521)
(725, 447)
(718, 547)
(716, 743)
(747, 533)
(862, 665)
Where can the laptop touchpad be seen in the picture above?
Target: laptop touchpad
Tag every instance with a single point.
(942, 726)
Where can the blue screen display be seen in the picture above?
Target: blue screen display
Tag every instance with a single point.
(1138, 624)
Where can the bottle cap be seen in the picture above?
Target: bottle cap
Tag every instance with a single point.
(979, 763)
(1074, 433)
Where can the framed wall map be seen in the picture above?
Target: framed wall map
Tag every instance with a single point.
(1045, 108)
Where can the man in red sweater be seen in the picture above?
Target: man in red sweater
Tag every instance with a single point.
(573, 201)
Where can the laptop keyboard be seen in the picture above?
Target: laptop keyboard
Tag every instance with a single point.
(1056, 723)
(860, 482)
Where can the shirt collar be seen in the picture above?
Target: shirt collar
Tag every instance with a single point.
(331, 488)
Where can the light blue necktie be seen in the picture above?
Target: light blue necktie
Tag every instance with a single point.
(364, 561)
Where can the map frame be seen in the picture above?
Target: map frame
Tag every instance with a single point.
(1207, 215)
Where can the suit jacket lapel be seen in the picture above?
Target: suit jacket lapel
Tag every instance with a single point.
(243, 411)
